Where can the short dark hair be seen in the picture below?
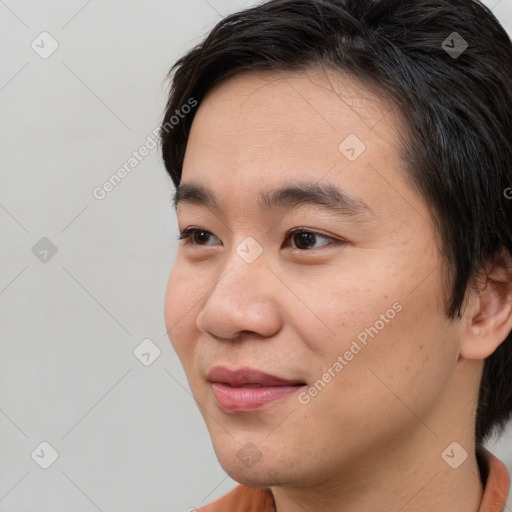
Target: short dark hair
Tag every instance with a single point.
(457, 109)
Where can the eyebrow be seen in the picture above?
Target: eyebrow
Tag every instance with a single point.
(326, 196)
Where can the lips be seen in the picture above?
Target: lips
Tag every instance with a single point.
(248, 378)
(229, 389)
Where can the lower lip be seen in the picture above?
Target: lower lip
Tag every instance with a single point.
(231, 399)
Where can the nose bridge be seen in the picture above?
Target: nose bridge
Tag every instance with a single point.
(238, 285)
(245, 266)
(241, 299)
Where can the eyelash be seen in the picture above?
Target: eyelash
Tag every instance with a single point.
(187, 234)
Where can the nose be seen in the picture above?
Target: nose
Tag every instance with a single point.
(244, 298)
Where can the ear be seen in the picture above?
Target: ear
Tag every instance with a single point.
(488, 316)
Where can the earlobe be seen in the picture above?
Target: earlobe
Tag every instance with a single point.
(489, 314)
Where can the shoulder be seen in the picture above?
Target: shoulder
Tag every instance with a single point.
(495, 479)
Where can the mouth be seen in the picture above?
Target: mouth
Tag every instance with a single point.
(248, 377)
(246, 389)
(251, 385)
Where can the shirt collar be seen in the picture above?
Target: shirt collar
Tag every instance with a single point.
(495, 480)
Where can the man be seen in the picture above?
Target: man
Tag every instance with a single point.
(341, 299)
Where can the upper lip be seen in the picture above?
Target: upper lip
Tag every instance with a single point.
(246, 375)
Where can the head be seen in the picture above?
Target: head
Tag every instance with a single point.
(408, 279)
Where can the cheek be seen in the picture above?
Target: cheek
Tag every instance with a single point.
(182, 294)
(388, 338)
(403, 365)
(341, 308)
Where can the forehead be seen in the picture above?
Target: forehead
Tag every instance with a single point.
(259, 129)
(323, 98)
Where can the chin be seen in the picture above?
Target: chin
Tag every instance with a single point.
(246, 464)
(261, 477)
(254, 468)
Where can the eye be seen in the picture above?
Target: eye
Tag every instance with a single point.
(189, 235)
(304, 239)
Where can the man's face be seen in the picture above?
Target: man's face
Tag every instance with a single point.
(351, 305)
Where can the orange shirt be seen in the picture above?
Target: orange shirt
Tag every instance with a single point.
(248, 499)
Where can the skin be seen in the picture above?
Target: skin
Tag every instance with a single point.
(372, 439)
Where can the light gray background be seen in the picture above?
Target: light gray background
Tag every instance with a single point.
(129, 437)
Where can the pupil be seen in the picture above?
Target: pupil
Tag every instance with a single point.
(202, 235)
(305, 238)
